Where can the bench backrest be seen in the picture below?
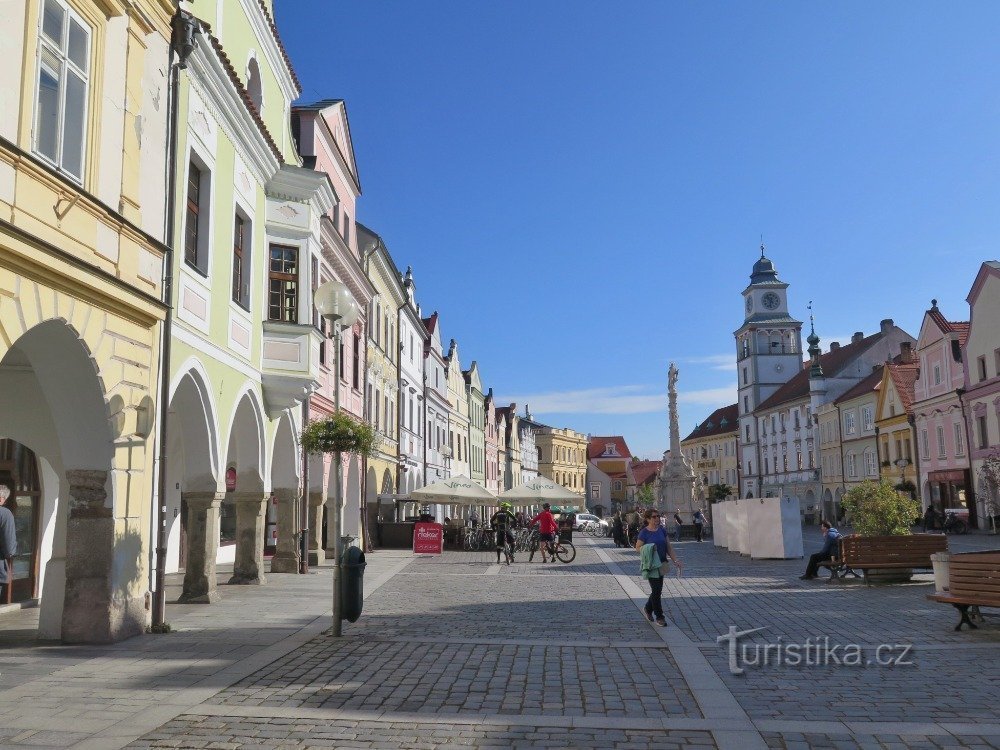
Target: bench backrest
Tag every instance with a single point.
(914, 548)
(975, 574)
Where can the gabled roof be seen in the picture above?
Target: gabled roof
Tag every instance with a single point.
(961, 327)
(832, 363)
(645, 471)
(431, 323)
(866, 386)
(904, 377)
(722, 421)
(596, 446)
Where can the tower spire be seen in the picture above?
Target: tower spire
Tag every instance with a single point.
(816, 370)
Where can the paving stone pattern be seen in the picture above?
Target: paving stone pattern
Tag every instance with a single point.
(846, 741)
(209, 731)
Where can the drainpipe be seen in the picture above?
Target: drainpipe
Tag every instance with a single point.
(970, 490)
(184, 29)
(304, 500)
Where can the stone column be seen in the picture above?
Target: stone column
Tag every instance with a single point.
(90, 546)
(286, 556)
(250, 516)
(316, 502)
(202, 547)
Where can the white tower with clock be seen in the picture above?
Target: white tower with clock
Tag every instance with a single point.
(768, 354)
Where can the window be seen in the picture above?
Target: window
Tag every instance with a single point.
(347, 229)
(283, 284)
(984, 435)
(937, 374)
(744, 376)
(940, 442)
(61, 97)
(871, 465)
(241, 262)
(925, 446)
(867, 418)
(982, 367)
(849, 423)
(746, 404)
(959, 439)
(852, 465)
(356, 362)
(798, 459)
(796, 412)
(617, 485)
(196, 217)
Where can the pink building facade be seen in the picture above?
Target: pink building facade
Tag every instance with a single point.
(939, 415)
(981, 358)
(494, 477)
(323, 136)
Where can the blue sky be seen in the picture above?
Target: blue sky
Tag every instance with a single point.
(581, 187)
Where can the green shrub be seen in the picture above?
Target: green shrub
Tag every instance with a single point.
(339, 432)
(877, 509)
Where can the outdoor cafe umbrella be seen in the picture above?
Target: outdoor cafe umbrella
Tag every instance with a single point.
(541, 490)
(457, 490)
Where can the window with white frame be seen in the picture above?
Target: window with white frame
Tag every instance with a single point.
(62, 88)
(849, 423)
(867, 418)
(959, 439)
(196, 215)
(852, 465)
(925, 446)
(283, 284)
(937, 374)
(942, 453)
(871, 464)
(242, 254)
(617, 486)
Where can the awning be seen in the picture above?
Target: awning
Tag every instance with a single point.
(542, 490)
(458, 490)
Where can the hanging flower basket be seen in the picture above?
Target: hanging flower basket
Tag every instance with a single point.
(339, 433)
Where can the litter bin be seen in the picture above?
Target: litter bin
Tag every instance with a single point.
(352, 584)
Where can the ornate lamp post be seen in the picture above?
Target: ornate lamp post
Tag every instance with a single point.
(339, 309)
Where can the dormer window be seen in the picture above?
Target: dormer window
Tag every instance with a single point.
(610, 450)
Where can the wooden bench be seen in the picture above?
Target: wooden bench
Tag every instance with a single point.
(912, 551)
(837, 567)
(973, 581)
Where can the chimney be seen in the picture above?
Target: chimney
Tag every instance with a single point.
(886, 325)
(906, 352)
(834, 346)
(858, 335)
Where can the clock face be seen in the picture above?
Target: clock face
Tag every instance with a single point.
(771, 301)
(749, 304)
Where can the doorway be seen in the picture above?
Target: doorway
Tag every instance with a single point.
(19, 471)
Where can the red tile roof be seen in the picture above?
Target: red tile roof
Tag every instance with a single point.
(832, 362)
(722, 421)
(645, 471)
(281, 46)
(595, 448)
(868, 385)
(904, 376)
(961, 327)
(431, 323)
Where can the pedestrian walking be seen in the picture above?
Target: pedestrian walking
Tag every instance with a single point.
(8, 545)
(699, 523)
(677, 525)
(654, 550)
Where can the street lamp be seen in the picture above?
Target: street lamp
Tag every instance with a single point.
(339, 309)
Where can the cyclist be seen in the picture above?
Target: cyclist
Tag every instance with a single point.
(547, 528)
(502, 523)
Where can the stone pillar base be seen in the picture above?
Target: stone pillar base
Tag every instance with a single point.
(251, 508)
(286, 556)
(202, 548)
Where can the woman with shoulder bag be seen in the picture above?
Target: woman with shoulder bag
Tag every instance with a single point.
(655, 550)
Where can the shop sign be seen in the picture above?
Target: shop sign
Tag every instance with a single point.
(428, 539)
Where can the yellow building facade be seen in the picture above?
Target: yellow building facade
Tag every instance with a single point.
(82, 187)
(894, 422)
(563, 457)
(711, 449)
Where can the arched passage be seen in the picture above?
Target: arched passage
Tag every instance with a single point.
(243, 511)
(53, 401)
(285, 487)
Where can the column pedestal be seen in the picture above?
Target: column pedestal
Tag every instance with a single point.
(316, 553)
(251, 510)
(286, 556)
(202, 547)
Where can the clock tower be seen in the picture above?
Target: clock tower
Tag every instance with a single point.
(768, 355)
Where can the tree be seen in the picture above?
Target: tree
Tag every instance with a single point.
(877, 509)
(645, 496)
(719, 492)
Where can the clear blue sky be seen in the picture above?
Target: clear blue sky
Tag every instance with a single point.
(581, 187)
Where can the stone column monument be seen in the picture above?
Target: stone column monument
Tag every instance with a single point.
(676, 479)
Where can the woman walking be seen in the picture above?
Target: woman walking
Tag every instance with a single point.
(654, 550)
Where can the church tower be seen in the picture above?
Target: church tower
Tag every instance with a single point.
(768, 354)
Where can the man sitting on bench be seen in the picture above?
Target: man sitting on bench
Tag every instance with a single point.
(831, 537)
